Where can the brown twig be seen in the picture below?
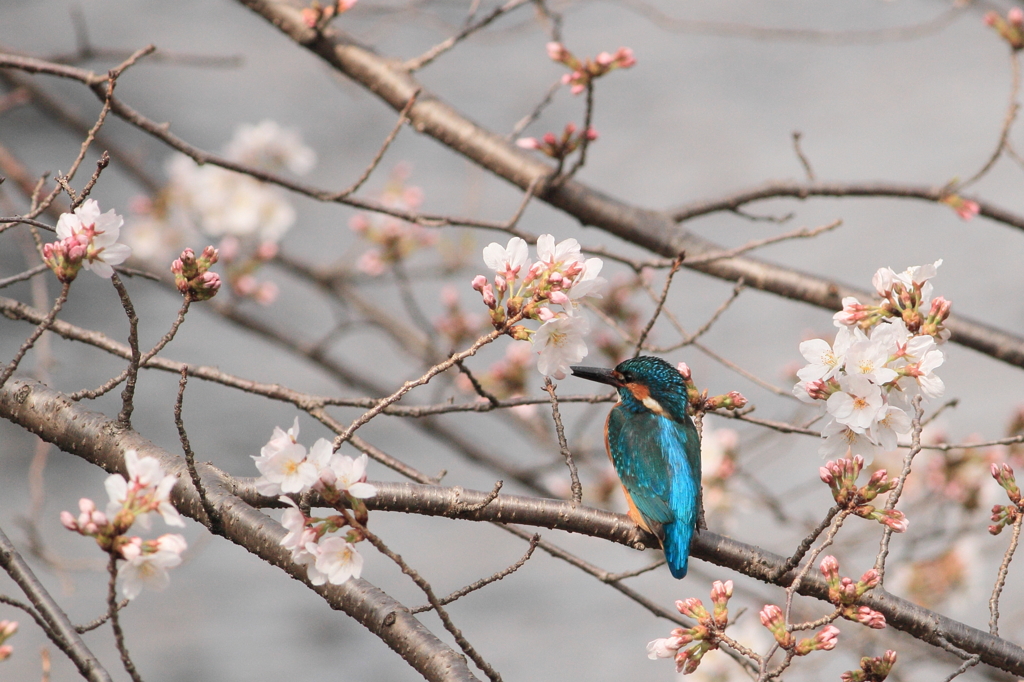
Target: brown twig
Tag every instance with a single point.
(659, 305)
(574, 477)
(43, 325)
(483, 582)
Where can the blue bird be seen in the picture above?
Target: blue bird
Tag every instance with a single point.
(656, 451)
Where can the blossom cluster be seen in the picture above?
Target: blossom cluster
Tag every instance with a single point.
(559, 147)
(145, 492)
(247, 215)
(559, 277)
(883, 356)
(704, 636)
(86, 238)
(7, 629)
(584, 72)
(841, 477)
(394, 239)
(286, 467)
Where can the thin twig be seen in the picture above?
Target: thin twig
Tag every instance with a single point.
(802, 233)
(213, 517)
(115, 621)
(1004, 133)
(1004, 567)
(40, 328)
(800, 155)
(576, 486)
(112, 383)
(894, 496)
(403, 118)
(430, 374)
(483, 582)
(659, 305)
(439, 49)
(124, 418)
(95, 623)
(435, 603)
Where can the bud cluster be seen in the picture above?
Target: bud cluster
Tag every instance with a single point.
(704, 636)
(1005, 515)
(584, 72)
(844, 593)
(872, 669)
(841, 476)
(317, 15)
(192, 275)
(698, 401)
(774, 619)
(7, 628)
(394, 239)
(965, 208)
(559, 147)
(1011, 28)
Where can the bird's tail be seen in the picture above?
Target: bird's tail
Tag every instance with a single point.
(677, 547)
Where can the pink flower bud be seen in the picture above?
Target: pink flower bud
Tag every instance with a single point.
(558, 298)
(625, 58)
(869, 579)
(488, 296)
(591, 134)
(67, 519)
(528, 143)
(557, 51)
(721, 592)
(684, 370)
(5, 652)
(830, 567)
(479, 282)
(827, 638)
(1016, 17)
(991, 18)
(266, 250)
(692, 607)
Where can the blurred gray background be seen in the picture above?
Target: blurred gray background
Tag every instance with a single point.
(708, 109)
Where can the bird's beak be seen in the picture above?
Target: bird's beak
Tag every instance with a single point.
(598, 374)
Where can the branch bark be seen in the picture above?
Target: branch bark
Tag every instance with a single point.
(96, 438)
(656, 231)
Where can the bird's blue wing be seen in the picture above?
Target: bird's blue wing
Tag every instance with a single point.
(658, 460)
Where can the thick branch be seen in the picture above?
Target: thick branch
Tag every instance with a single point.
(95, 438)
(656, 231)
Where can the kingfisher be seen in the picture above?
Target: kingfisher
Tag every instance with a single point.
(655, 448)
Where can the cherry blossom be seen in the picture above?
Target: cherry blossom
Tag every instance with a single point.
(561, 344)
(338, 560)
(147, 566)
(87, 238)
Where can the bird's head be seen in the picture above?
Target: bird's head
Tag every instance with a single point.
(644, 383)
